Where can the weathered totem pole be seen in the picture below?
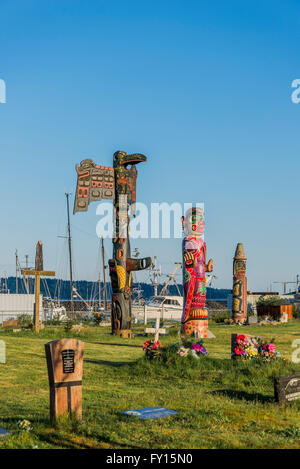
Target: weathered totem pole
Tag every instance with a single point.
(118, 183)
(194, 319)
(239, 290)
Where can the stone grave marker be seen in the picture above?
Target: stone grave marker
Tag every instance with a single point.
(65, 367)
(287, 388)
(2, 352)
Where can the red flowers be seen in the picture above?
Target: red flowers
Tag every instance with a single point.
(151, 348)
(241, 337)
(238, 350)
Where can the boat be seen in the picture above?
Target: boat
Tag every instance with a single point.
(173, 303)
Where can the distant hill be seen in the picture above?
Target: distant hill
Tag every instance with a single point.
(89, 290)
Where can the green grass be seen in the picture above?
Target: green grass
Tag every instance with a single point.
(221, 403)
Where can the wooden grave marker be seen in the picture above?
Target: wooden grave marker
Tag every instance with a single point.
(38, 272)
(65, 367)
(156, 330)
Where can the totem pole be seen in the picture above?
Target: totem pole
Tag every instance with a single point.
(194, 319)
(239, 290)
(119, 184)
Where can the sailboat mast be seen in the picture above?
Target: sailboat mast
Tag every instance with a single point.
(70, 254)
(17, 288)
(99, 290)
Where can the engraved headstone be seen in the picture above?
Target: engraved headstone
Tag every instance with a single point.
(65, 366)
(287, 388)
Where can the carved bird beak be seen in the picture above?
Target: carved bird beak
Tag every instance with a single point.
(122, 159)
(135, 158)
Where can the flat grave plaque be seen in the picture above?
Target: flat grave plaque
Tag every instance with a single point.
(150, 412)
(3, 432)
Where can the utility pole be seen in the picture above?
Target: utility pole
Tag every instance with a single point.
(99, 290)
(104, 280)
(70, 254)
(284, 283)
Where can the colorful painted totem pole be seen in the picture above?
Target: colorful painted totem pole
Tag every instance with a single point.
(194, 319)
(118, 183)
(239, 290)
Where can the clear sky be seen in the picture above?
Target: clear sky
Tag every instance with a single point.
(202, 88)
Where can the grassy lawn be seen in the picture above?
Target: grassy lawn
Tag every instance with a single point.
(221, 403)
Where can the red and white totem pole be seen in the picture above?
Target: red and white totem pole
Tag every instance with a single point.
(239, 290)
(194, 319)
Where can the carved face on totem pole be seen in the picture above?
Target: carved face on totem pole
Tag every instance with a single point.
(193, 222)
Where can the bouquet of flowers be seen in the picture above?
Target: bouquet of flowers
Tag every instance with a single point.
(152, 349)
(195, 349)
(24, 425)
(254, 348)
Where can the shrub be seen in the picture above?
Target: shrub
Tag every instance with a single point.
(296, 312)
(98, 318)
(224, 316)
(52, 322)
(25, 320)
(271, 301)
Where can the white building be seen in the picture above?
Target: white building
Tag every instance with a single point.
(13, 305)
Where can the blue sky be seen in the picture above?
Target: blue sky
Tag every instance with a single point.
(202, 88)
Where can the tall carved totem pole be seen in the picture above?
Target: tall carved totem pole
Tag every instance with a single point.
(119, 184)
(194, 319)
(239, 290)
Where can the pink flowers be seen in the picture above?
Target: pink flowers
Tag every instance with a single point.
(183, 351)
(156, 345)
(270, 348)
(196, 347)
(151, 348)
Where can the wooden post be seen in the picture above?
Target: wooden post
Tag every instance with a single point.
(37, 303)
(145, 314)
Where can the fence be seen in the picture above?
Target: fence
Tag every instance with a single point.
(146, 313)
